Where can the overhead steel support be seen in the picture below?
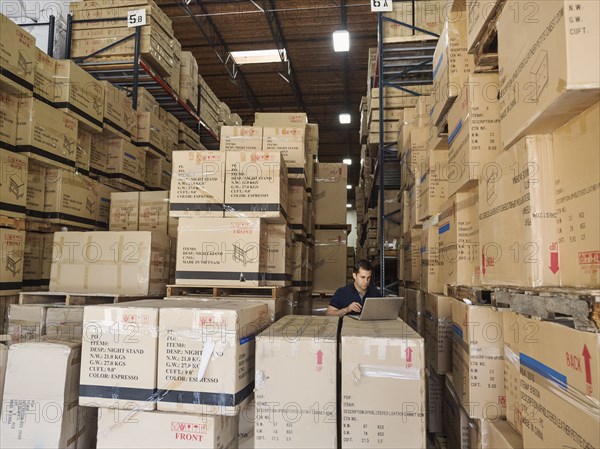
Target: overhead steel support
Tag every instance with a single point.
(268, 8)
(208, 28)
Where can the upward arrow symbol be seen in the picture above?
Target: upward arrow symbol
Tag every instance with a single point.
(320, 357)
(588, 366)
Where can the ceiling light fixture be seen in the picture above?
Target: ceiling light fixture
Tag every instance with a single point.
(348, 206)
(345, 118)
(259, 56)
(349, 187)
(341, 40)
(347, 161)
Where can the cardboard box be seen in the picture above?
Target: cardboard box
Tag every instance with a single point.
(3, 360)
(103, 196)
(299, 264)
(188, 79)
(150, 131)
(26, 323)
(118, 355)
(279, 254)
(495, 435)
(46, 134)
(126, 164)
(330, 260)
(478, 360)
(154, 172)
(256, 185)
(206, 355)
(44, 69)
(12, 248)
(291, 142)
(154, 211)
(41, 376)
(411, 243)
(246, 420)
(53, 322)
(17, 47)
(546, 76)
(456, 421)
(512, 366)
(392, 228)
(415, 308)
(174, 79)
(124, 211)
(298, 208)
(159, 430)
(451, 66)
(47, 259)
(371, 351)
(79, 94)
(115, 263)
(312, 341)
(221, 251)
(330, 193)
(70, 199)
(9, 106)
(84, 149)
(198, 184)
(433, 186)
(478, 16)
(241, 138)
(32, 260)
(576, 170)
(281, 119)
(434, 394)
(559, 374)
(119, 116)
(99, 155)
(517, 217)
(414, 201)
(473, 127)
(458, 232)
(428, 15)
(13, 184)
(430, 257)
(438, 332)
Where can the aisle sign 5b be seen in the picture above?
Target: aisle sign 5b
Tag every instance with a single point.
(136, 18)
(381, 5)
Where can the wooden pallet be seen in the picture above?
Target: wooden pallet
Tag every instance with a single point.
(477, 295)
(268, 291)
(75, 298)
(43, 226)
(12, 222)
(582, 307)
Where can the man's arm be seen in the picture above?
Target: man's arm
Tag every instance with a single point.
(333, 311)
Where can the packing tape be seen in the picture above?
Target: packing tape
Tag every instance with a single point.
(384, 372)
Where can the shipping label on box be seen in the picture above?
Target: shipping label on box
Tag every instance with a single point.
(221, 251)
(256, 185)
(478, 360)
(124, 211)
(291, 143)
(241, 138)
(576, 163)
(560, 377)
(371, 352)
(517, 216)
(116, 263)
(206, 355)
(13, 184)
(198, 184)
(546, 75)
(311, 341)
(281, 119)
(79, 94)
(46, 134)
(70, 199)
(154, 211)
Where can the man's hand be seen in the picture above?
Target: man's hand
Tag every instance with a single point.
(354, 307)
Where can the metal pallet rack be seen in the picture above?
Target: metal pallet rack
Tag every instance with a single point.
(51, 24)
(133, 73)
(401, 64)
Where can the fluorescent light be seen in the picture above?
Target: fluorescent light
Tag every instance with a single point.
(259, 56)
(341, 40)
(349, 206)
(349, 187)
(345, 118)
(347, 161)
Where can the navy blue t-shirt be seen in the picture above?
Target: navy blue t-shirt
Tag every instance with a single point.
(344, 296)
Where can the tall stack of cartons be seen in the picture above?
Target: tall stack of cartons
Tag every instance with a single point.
(175, 402)
(209, 106)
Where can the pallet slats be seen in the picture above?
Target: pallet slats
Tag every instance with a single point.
(75, 299)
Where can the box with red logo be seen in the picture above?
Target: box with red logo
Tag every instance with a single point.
(221, 252)
(118, 355)
(379, 357)
(206, 354)
(291, 142)
(241, 138)
(300, 351)
(197, 184)
(119, 428)
(560, 386)
(256, 185)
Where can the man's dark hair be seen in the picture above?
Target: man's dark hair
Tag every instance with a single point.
(364, 264)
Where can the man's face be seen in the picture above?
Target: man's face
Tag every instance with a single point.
(362, 278)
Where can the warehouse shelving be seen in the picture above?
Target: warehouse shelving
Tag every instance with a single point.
(51, 24)
(136, 72)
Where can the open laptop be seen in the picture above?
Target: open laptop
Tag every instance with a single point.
(380, 308)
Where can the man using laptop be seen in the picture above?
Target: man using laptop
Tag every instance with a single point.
(350, 299)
